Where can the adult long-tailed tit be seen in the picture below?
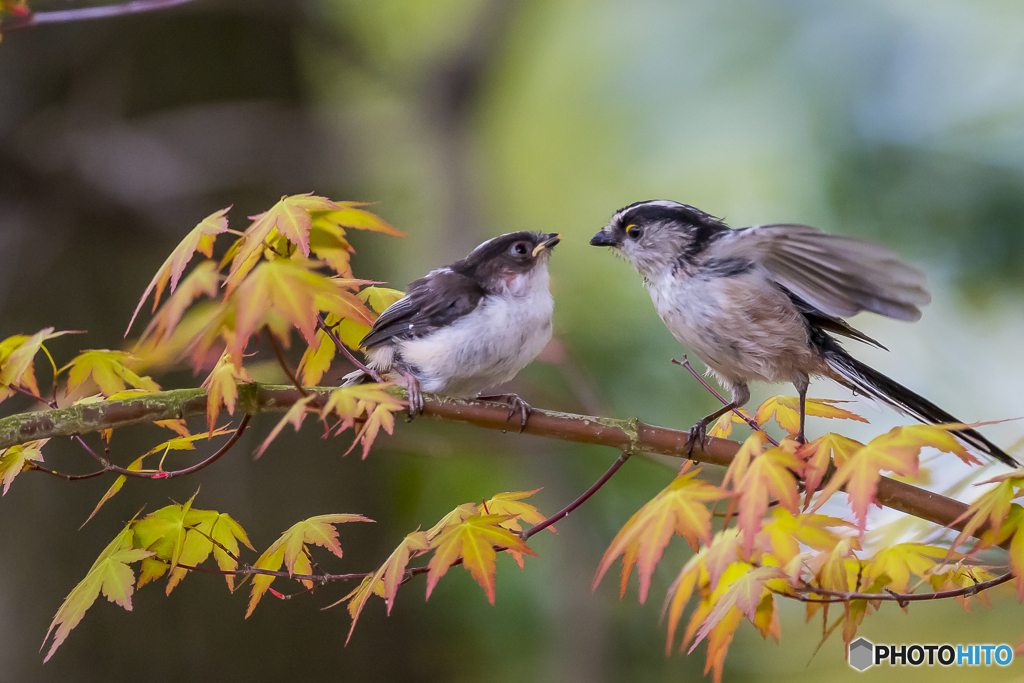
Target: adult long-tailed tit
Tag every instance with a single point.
(765, 303)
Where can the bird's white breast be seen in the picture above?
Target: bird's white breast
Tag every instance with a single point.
(489, 345)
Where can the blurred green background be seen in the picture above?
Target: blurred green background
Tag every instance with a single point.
(900, 121)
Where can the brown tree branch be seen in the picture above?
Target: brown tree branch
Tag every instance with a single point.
(102, 12)
(629, 435)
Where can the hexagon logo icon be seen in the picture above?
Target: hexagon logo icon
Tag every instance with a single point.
(862, 654)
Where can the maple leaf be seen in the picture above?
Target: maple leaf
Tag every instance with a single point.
(818, 454)
(509, 503)
(456, 516)
(896, 451)
(327, 234)
(991, 507)
(203, 280)
(290, 550)
(680, 508)
(751, 448)
(473, 540)
(900, 561)
(163, 533)
(318, 356)
(108, 369)
(786, 411)
(286, 293)
(201, 239)
(783, 532)
(350, 403)
(349, 216)
(223, 387)
(386, 579)
(721, 552)
(770, 474)
(680, 591)
(723, 425)
(289, 218)
(17, 459)
(16, 360)
(741, 588)
(109, 574)
(837, 569)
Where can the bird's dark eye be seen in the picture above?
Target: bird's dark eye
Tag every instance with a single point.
(520, 249)
(634, 232)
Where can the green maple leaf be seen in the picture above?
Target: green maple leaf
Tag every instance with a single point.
(111, 575)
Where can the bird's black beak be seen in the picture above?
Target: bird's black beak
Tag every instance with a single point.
(604, 239)
(547, 243)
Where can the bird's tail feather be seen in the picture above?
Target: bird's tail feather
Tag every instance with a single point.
(868, 381)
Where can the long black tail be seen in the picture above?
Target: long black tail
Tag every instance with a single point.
(870, 382)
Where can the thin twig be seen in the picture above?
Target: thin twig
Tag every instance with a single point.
(63, 16)
(750, 421)
(890, 596)
(117, 469)
(322, 324)
(623, 457)
(67, 477)
(284, 365)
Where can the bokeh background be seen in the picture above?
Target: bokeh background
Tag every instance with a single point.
(900, 121)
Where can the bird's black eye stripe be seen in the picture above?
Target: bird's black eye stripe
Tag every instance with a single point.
(634, 232)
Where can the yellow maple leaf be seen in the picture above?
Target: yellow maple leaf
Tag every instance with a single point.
(16, 459)
(109, 370)
(771, 474)
(900, 561)
(473, 540)
(786, 411)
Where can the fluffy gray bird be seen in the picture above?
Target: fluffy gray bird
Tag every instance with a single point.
(469, 326)
(763, 303)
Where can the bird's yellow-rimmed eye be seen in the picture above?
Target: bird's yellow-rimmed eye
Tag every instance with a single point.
(634, 232)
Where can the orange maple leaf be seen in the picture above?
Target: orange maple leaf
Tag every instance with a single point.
(679, 509)
(991, 507)
(474, 541)
(770, 474)
(222, 384)
(818, 454)
(289, 218)
(201, 239)
(896, 451)
(786, 411)
(286, 293)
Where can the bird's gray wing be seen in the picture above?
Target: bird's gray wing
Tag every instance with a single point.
(839, 276)
(435, 301)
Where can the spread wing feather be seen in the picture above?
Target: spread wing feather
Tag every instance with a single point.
(839, 276)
